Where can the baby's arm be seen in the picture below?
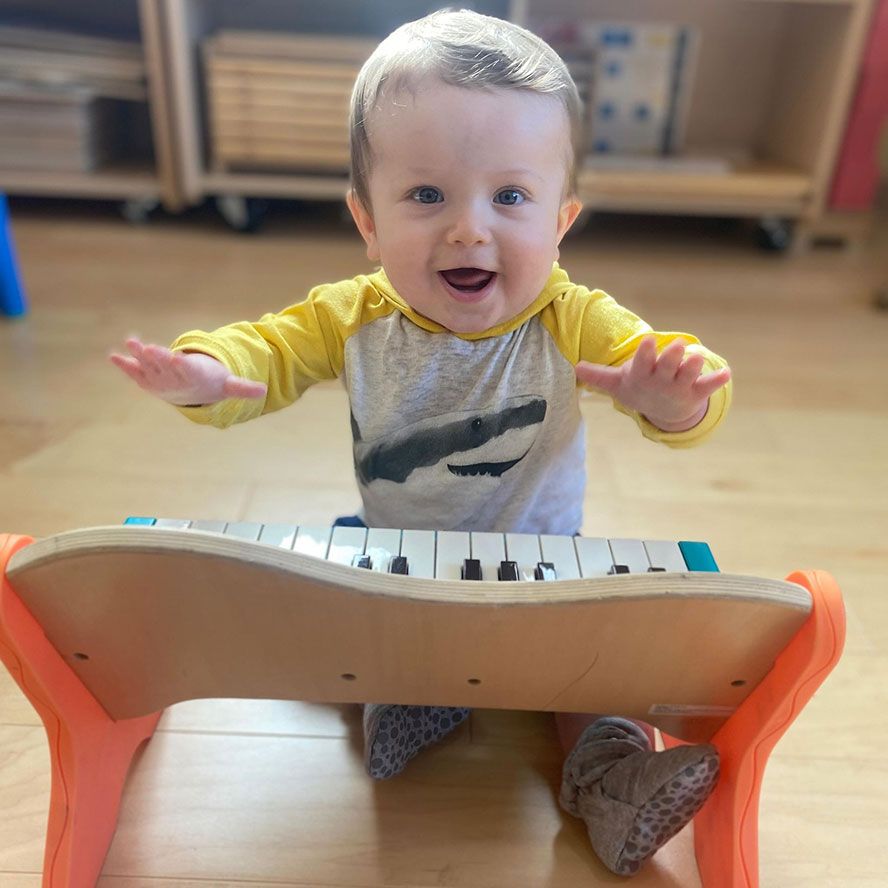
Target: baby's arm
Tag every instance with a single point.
(666, 389)
(187, 379)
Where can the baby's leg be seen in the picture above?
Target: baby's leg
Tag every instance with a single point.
(394, 734)
(632, 799)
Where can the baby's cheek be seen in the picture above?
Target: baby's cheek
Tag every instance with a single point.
(537, 240)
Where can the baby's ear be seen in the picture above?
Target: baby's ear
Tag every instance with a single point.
(365, 223)
(567, 215)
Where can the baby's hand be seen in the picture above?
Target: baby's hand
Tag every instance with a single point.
(183, 378)
(667, 389)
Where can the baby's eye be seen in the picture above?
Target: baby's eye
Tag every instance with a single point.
(509, 197)
(427, 194)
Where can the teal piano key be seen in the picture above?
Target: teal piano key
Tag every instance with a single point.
(147, 522)
(698, 556)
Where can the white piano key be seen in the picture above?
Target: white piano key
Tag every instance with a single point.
(345, 543)
(280, 535)
(594, 555)
(382, 544)
(245, 530)
(313, 541)
(490, 550)
(452, 550)
(631, 553)
(561, 552)
(213, 526)
(525, 549)
(175, 523)
(418, 547)
(665, 554)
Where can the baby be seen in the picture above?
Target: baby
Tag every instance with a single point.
(461, 356)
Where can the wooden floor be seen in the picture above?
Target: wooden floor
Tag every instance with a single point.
(272, 793)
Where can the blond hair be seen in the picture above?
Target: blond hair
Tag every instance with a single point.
(461, 48)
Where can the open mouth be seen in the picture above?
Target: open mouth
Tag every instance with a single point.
(467, 280)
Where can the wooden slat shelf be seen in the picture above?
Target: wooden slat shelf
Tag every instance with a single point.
(754, 190)
(113, 183)
(305, 185)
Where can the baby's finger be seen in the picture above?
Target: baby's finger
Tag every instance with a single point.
(645, 359)
(238, 387)
(670, 359)
(710, 383)
(135, 347)
(130, 366)
(690, 369)
(599, 376)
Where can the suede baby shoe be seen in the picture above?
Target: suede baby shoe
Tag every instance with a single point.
(631, 798)
(393, 734)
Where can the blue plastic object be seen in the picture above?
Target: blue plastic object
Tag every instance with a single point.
(12, 295)
(137, 520)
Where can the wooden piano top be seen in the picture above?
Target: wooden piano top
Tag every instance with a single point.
(148, 617)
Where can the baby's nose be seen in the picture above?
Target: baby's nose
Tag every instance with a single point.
(468, 227)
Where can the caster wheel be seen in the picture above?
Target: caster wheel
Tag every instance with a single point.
(243, 214)
(774, 233)
(138, 209)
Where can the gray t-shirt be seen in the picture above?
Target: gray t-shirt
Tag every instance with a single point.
(455, 434)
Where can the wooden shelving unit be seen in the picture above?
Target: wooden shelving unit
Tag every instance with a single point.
(148, 178)
(772, 89)
(187, 25)
(773, 85)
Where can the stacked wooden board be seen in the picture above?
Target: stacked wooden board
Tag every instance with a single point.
(280, 101)
(60, 98)
(63, 129)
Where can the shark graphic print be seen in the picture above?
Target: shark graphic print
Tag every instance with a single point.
(458, 434)
(473, 443)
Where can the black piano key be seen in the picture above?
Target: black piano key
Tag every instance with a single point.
(361, 561)
(398, 565)
(545, 570)
(471, 569)
(508, 570)
(619, 569)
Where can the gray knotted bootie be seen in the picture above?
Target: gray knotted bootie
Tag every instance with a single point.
(632, 799)
(394, 734)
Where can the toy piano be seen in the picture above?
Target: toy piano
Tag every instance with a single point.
(103, 628)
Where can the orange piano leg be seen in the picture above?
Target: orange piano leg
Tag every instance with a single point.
(726, 828)
(90, 753)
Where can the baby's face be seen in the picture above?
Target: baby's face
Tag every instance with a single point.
(467, 195)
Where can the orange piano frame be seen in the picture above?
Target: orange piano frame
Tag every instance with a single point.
(91, 752)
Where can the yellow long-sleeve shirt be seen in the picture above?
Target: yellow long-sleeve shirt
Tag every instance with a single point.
(477, 431)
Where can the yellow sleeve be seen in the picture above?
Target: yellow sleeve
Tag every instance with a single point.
(589, 325)
(289, 350)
